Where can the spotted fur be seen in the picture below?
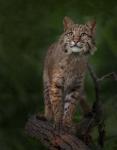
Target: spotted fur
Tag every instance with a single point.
(64, 71)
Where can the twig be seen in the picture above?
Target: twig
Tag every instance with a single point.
(112, 74)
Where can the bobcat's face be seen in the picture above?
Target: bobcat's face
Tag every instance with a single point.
(78, 38)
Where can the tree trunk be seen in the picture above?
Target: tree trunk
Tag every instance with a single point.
(41, 129)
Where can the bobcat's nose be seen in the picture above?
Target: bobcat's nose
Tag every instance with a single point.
(76, 40)
(73, 43)
(77, 44)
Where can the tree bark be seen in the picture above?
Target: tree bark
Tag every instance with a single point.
(41, 129)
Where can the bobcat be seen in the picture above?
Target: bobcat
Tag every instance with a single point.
(64, 71)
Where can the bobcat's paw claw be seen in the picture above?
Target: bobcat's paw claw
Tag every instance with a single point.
(58, 127)
(69, 129)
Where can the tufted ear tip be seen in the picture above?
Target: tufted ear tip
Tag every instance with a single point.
(93, 50)
(92, 25)
(67, 22)
(67, 18)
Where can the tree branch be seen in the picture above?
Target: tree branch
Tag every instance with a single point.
(41, 129)
(112, 74)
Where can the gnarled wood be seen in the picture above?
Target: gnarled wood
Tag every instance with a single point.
(41, 129)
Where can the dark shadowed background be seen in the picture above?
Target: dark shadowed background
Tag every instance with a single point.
(27, 28)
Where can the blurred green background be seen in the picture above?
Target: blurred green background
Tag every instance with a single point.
(27, 28)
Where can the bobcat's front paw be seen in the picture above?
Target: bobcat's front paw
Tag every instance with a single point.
(40, 117)
(58, 126)
(69, 128)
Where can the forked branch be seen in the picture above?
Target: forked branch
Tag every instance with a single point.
(97, 109)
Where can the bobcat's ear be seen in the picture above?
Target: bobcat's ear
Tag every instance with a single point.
(67, 22)
(92, 26)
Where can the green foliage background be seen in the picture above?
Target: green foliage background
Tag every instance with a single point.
(27, 28)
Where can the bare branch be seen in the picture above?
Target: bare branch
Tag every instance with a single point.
(97, 106)
(112, 74)
(95, 80)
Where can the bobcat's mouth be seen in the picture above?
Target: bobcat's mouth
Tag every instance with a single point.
(73, 49)
(76, 49)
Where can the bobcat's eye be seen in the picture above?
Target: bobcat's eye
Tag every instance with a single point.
(70, 33)
(85, 34)
(82, 34)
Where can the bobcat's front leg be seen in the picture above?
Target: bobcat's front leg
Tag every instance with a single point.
(48, 107)
(71, 101)
(72, 98)
(56, 97)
